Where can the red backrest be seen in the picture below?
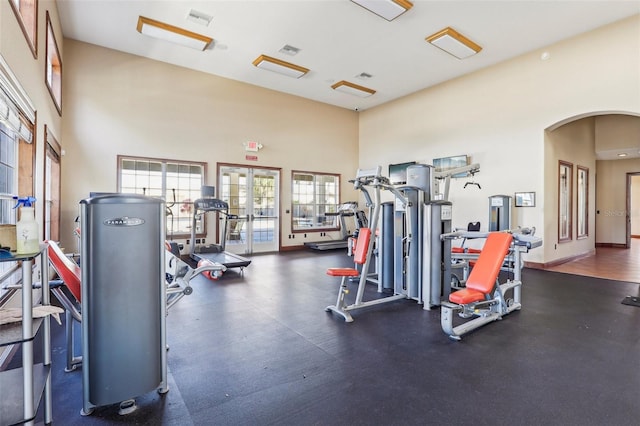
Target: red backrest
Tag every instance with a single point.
(362, 245)
(485, 272)
(66, 268)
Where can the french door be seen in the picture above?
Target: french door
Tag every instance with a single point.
(253, 195)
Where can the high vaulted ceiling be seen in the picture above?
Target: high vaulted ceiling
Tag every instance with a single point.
(338, 39)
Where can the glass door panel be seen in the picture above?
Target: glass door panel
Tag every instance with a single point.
(252, 194)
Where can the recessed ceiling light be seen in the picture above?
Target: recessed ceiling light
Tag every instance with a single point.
(622, 154)
(387, 9)
(353, 89)
(454, 43)
(289, 50)
(177, 35)
(282, 67)
(545, 56)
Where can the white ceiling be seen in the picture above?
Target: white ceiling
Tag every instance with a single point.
(339, 39)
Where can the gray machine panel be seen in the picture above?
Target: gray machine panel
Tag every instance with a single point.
(123, 305)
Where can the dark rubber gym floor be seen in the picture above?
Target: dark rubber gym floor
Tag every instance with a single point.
(259, 349)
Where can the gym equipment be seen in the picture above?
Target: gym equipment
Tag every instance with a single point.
(499, 213)
(364, 247)
(348, 209)
(409, 252)
(123, 299)
(457, 263)
(444, 178)
(70, 276)
(359, 258)
(436, 252)
(484, 297)
(215, 252)
(178, 275)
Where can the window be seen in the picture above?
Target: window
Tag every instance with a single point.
(565, 184)
(53, 70)
(12, 176)
(27, 13)
(51, 186)
(17, 156)
(177, 182)
(313, 197)
(583, 202)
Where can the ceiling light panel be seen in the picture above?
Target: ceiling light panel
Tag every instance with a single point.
(166, 32)
(454, 43)
(387, 9)
(281, 67)
(353, 89)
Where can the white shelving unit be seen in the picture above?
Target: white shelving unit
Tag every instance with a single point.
(23, 389)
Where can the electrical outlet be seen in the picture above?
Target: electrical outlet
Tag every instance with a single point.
(203, 241)
(188, 242)
(197, 240)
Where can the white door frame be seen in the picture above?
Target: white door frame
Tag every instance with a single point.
(255, 230)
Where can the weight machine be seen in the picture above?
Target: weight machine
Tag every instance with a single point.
(405, 226)
(484, 299)
(364, 248)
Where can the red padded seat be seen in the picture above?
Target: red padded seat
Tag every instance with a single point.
(483, 276)
(359, 255)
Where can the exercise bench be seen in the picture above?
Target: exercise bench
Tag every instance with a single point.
(484, 296)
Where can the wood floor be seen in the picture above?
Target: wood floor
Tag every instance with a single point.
(611, 263)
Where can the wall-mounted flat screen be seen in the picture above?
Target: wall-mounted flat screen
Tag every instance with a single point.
(398, 173)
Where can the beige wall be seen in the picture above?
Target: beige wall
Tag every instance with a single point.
(618, 132)
(498, 116)
(611, 187)
(635, 206)
(573, 143)
(30, 73)
(116, 103)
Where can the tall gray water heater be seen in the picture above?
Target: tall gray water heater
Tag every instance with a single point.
(499, 213)
(123, 298)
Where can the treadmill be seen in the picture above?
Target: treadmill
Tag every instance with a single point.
(214, 252)
(348, 209)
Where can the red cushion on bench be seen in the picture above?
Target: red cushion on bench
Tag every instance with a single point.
(343, 272)
(464, 296)
(485, 272)
(67, 269)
